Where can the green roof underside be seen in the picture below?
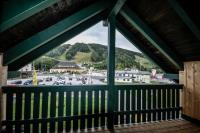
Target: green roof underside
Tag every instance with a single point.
(163, 30)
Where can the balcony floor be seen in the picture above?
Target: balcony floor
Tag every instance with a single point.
(173, 126)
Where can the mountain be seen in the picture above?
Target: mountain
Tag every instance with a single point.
(95, 55)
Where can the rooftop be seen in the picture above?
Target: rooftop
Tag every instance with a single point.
(67, 64)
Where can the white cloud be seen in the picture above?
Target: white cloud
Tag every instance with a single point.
(98, 34)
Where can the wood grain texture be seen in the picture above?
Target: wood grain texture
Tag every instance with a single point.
(3, 81)
(191, 91)
(174, 126)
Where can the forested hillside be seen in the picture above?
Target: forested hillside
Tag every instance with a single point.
(96, 55)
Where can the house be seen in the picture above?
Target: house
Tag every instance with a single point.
(124, 79)
(132, 76)
(27, 68)
(66, 67)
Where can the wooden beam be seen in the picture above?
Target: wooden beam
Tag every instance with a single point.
(15, 11)
(116, 7)
(55, 42)
(111, 70)
(151, 36)
(53, 31)
(138, 44)
(185, 18)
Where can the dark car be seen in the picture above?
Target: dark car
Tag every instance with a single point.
(48, 79)
(28, 82)
(17, 82)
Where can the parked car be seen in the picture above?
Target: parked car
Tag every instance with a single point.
(40, 82)
(59, 82)
(16, 82)
(48, 79)
(28, 82)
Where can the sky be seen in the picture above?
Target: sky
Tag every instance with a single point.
(98, 34)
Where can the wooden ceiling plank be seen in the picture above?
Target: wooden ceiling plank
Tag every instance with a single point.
(151, 36)
(185, 18)
(54, 43)
(53, 31)
(32, 7)
(129, 36)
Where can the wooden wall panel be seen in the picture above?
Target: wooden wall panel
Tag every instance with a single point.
(197, 90)
(191, 92)
(3, 81)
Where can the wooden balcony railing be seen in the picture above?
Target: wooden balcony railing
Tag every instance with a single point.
(58, 108)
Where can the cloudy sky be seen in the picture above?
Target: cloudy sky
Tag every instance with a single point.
(98, 34)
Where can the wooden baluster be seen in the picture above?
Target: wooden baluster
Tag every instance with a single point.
(83, 108)
(122, 106)
(9, 111)
(177, 102)
(173, 103)
(60, 110)
(103, 100)
(75, 113)
(27, 111)
(68, 110)
(90, 99)
(44, 111)
(168, 103)
(18, 111)
(139, 105)
(133, 105)
(159, 104)
(144, 100)
(52, 111)
(164, 104)
(96, 108)
(116, 107)
(149, 104)
(36, 111)
(127, 106)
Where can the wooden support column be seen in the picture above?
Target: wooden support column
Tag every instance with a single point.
(3, 81)
(111, 70)
(190, 78)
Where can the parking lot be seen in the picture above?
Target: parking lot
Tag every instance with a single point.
(57, 80)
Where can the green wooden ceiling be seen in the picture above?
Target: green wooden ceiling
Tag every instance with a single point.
(162, 29)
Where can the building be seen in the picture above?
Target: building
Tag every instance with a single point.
(66, 67)
(26, 71)
(124, 79)
(132, 76)
(27, 68)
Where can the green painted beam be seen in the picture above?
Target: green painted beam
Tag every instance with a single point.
(111, 70)
(116, 7)
(138, 44)
(151, 36)
(185, 18)
(15, 11)
(28, 58)
(53, 31)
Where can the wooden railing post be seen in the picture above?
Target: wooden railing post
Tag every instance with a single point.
(111, 70)
(3, 81)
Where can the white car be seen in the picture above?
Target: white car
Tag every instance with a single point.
(59, 82)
